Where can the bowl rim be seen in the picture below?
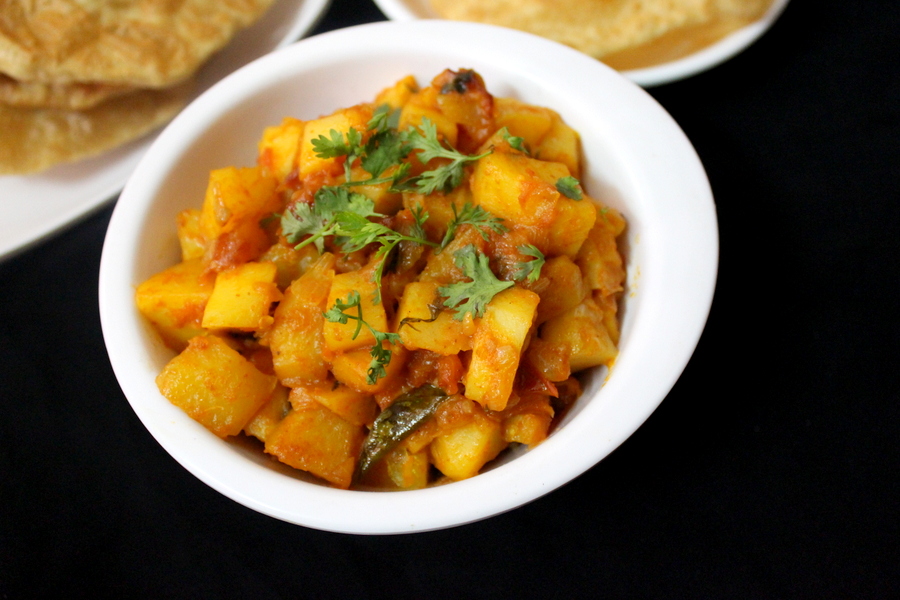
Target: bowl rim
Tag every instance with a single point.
(687, 275)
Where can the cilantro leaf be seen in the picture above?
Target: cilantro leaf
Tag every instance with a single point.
(381, 356)
(515, 142)
(335, 146)
(384, 118)
(358, 232)
(320, 219)
(569, 187)
(475, 216)
(446, 177)
(383, 151)
(530, 270)
(472, 296)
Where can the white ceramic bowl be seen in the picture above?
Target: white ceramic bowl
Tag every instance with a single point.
(636, 159)
(697, 62)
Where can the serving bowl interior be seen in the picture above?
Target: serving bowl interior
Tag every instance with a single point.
(635, 157)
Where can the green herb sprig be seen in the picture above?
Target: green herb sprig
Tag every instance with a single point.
(322, 218)
(381, 356)
(472, 296)
(530, 270)
(477, 217)
(358, 232)
(444, 178)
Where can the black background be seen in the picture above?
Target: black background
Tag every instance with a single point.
(769, 471)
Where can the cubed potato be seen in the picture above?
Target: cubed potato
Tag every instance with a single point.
(215, 385)
(313, 438)
(439, 208)
(497, 346)
(570, 226)
(386, 202)
(523, 191)
(526, 428)
(246, 242)
(611, 219)
(444, 334)
(561, 144)
(398, 94)
(290, 262)
(423, 105)
(242, 298)
(173, 301)
(355, 117)
(463, 98)
(609, 306)
(296, 334)
(237, 196)
(351, 368)
(354, 406)
(528, 422)
(518, 188)
(400, 469)
(600, 260)
(441, 266)
(550, 360)
(565, 288)
(461, 452)
(280, 146)
(190, 234)
(271, 413)
(528, 122)
(339, 337)
(583, 332)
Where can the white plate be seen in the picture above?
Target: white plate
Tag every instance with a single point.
(408, 10)
(34, 207)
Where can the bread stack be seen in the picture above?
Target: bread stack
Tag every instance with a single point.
(79, 77)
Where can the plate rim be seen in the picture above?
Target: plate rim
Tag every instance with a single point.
(663, 73)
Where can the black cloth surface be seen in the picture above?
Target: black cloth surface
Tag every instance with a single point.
(769, 471)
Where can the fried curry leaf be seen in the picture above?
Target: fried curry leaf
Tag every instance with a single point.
(409, 412)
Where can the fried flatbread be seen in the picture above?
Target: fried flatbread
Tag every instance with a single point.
(77, 96)
(601, 28)
(142, 43)
(35, 139)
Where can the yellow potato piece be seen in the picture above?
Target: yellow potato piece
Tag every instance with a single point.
(215, 385)
(461, 452)
(582, 331)
(354, 406)
(339, 337)
(313, 438)
(173, 301)
(441, 333)
(242, 298)
(497, 347)
(296, 335)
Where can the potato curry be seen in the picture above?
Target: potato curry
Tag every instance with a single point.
(396, 292)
